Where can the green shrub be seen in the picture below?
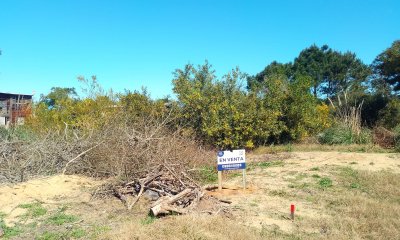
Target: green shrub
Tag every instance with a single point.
(396, 131)
(325, 182)
(340, 134)
(16, 133)
(4, 133)
(390, 115)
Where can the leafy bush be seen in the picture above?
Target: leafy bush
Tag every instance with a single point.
(390, 115)
(325, 182)
(341, 134)
(396, 130)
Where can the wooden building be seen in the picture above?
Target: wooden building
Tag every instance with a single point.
(14, 108)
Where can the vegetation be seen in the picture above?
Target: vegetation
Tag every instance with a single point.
(323, 91)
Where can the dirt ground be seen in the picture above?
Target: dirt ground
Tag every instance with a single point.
(274, 182)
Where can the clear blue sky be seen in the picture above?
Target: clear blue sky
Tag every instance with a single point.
(129, 44)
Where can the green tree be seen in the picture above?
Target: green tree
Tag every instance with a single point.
(275, 68)
(220, 111)
(386, 67)
(331, 71)
(314, 62)
(57, 95)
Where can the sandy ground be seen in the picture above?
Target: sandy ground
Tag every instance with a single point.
(55, 190)
(256, 206)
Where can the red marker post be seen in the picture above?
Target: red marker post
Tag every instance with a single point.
(292, 212)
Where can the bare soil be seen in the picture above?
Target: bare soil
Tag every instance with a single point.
(261, 210)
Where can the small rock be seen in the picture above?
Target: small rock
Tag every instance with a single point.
(151, 195)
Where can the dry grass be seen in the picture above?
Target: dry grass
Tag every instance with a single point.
(362, 202)
(359, 205)
(362, 205)
(369, 148)
(185, 227)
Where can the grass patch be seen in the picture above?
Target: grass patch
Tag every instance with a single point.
(299, 185)
(51, 236)
(148, 220)
(279, 193)
(267, 164)
(78, 233)
(9, 232)
(364, 148)
(316, 176)
(234, 174)
(314, 169)
(61, 218)
(325, 182)
(208, 175)
(34, 210)
(99, 231)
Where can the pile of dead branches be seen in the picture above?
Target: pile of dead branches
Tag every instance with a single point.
(144, 156)
(384, 138)
(169, 187)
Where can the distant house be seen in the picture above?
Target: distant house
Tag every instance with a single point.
(14, 108)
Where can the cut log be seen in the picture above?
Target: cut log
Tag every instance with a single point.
(163, 205)
(165, 209)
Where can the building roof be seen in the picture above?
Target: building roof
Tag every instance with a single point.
(16, 94)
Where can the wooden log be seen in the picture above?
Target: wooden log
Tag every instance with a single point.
(163, 205)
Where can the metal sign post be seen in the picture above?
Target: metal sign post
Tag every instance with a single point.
(244, 178)
(219, 180)
(231, 160)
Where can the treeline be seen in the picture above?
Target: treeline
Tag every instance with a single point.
(324, 94)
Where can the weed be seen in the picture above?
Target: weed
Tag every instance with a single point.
(325, 182)
(280, 193)
(271, 164)
(99, 230)
(351, 175)
(299, 186)
(314, 169)
(348, 172)
(371, 163)
(355, 185)
(61, 218)
(148, 220)
(322, 147)
(34, 210)
(8, 232)
(208, 174)
(352, 163)
(78, 233)
(316, 176)
(51, 236)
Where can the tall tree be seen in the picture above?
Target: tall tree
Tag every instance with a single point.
(275, 68)
(331, 71)
(386, 67)
(313, 62)
(58, 94)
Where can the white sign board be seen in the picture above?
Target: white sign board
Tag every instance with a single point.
(231, 160)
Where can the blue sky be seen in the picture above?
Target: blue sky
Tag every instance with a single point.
(129, 44)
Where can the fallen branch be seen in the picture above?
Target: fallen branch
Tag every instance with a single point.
(79, 155)
(163, 205)
(137, 198)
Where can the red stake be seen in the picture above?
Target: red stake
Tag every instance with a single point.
(292, 212)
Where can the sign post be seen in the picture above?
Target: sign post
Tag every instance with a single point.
(231, 160)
